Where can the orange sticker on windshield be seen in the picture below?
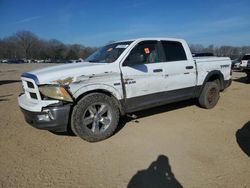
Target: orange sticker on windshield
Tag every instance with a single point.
(109, 50)
(146, 50)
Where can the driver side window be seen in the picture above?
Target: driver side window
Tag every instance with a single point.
(144, 52)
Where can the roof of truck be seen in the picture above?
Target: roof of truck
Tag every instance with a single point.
(152, 38)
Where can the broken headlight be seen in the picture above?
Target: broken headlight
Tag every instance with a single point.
(55, 92)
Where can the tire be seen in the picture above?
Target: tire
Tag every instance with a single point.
(209, 95)
(95, 117)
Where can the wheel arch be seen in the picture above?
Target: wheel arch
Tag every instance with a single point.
(107, 90)
(214, 75)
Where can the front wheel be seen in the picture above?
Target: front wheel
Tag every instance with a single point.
(95, 117)
(209, 95)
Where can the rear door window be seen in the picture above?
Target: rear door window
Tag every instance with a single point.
(174, 51)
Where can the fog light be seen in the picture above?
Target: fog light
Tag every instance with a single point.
(49, 114)
(43, 117)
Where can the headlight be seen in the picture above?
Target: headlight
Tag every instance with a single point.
(55, 92)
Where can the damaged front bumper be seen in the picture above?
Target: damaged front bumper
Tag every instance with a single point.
(54, 117)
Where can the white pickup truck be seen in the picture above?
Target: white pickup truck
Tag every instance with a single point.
(118, 79)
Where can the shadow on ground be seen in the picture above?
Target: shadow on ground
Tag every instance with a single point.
(243, 138)
(4, 100)
(68, 133)
(140, 114)
(3, 97)
(3, 82)
(153, 111)
(245, 80)
(157, 175)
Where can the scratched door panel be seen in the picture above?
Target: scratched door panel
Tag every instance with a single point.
(178, 76)
(144, 79)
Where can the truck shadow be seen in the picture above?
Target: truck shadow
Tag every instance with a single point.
(158, 174)
(140, 114)
(66, 133)
(245, 80)
(153, 111)
(243, 138)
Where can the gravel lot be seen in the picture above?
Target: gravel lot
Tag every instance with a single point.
(178, 145)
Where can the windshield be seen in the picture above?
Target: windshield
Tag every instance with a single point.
(108, 53)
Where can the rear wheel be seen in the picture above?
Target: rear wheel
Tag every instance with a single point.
(209, 95)
(95, 117)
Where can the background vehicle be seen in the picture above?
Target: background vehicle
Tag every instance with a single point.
(120, 78)
(4, 60)
(16, 61)
(76, 61)
(247, 69)
(236, 64)
(244, 60)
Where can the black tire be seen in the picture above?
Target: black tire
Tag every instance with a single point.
(209, 95)
(87, 121)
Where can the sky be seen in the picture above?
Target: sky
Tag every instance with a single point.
(94, 23)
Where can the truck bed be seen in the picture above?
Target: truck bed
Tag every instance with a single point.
(210, 59)
(208, 64)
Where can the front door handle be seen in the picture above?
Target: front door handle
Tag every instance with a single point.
(157, 70)
(189, 67)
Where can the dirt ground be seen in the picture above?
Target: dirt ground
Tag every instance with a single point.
(178, 145)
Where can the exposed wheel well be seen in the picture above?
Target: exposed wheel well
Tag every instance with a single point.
(216, 76)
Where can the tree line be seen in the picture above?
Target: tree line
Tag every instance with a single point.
(27, 45)
(225, 51)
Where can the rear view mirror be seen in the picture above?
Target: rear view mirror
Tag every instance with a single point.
(134, 59)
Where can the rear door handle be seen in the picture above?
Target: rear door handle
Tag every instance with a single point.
(157, 70)
(189, 67)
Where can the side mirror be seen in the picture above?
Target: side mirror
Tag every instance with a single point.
(134, 59)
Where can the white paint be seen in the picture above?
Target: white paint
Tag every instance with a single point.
(32, 105)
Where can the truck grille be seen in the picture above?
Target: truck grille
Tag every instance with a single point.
(33, 95)
(31, 89)
(30, 84)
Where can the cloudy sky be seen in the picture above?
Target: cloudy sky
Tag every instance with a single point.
(94, 23)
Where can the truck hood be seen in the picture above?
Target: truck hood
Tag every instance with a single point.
(67, 73)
